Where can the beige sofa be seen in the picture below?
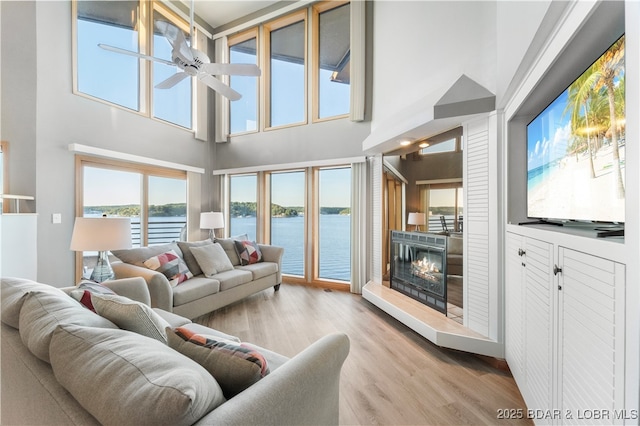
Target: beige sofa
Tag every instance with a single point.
(200, 295)
(65, 365)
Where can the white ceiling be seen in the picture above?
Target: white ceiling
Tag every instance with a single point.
(219, 12)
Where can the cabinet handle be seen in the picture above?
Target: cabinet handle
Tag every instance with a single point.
(521, 252)
(556, 270)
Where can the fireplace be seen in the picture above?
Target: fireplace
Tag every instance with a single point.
(419, 267)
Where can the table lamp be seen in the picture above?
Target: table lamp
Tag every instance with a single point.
(416, 219)
(211, 221)
(101, 234)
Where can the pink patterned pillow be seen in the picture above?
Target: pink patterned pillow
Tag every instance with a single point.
(248, 252)
(171, 265)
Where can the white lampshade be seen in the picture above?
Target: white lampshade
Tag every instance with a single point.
(416, 219)
(101, 233)
(211, 220)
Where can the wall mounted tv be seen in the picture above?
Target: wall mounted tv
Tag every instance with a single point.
(576, 147)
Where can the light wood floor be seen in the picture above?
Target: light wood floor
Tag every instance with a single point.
(392, 375)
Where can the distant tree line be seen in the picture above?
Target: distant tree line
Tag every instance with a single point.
(133, 210)
(245, 208)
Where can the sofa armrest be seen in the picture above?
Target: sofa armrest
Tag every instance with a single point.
(160, 290)
(303, 391)
(135, 288)
(273, 254)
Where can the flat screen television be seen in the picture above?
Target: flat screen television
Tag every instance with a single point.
(576, 147)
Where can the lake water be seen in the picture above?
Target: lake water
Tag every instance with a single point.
(288, 232)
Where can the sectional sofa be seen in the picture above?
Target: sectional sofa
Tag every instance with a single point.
(202, 292)
(63, 364)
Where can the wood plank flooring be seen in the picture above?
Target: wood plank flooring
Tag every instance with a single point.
(392, 375)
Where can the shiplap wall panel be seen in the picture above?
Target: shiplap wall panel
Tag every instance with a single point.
(476, 227)
(376, 170)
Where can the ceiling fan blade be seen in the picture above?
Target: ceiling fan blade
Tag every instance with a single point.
(231, 69)
(172, 81)
(176, 39)
(136, 54)
(219, 87)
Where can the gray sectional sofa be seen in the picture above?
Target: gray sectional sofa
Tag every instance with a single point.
(63, 364)
(201, 294)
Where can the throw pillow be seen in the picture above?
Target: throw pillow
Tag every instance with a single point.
(234, 366)
(188, 257)
(84, 291)
(212, 259)
(123, 379)
(171, 265)
(131, 315)
(248, 252)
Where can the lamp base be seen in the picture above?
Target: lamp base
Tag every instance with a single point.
(102, 271)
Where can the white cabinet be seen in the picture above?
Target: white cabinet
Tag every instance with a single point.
(564, 334)
(19, 251)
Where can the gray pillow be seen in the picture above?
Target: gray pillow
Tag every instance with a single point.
(131, 315)
(230, 248)
(191, 261)
(14, 292)
(125, 379)
(212, 259)
(43, 312)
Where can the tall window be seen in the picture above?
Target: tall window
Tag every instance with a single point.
(243, 205)
(287, 219)
(173, 104)
(100, 73)
(332, 75)
(244, 112)
(316, 241)
(119, 78)
(334, 224)
(287, 55)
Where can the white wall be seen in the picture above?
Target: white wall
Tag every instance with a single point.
(51, 116)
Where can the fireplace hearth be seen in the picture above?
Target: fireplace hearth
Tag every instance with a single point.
(419, 267)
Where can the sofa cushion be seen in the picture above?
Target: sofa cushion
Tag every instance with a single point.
(212, 259)
(234, 278)
(234, 366)
(131, 315)
(125, 379)
(171, 266)
(230, 248)
(194, 289)
(260, 270)
(13, 293)
(42, 312)
(248, 252)
(188, 257)
(137, 256)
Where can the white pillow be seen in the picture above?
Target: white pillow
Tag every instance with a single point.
(131, 315)
(212, 259)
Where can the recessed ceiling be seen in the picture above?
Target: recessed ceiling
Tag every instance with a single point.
(220, 12)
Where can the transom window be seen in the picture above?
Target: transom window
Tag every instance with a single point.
(293, 73)
(124, 80)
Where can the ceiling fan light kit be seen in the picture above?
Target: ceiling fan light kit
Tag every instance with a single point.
(191, 62)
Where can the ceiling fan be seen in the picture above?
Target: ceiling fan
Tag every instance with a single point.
(191, 62)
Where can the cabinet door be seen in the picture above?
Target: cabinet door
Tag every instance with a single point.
(539, 324)
(591, 340)
(514, 304)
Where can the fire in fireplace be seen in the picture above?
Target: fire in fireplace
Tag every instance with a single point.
(419, 267)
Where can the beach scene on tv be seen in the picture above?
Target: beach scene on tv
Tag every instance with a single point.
(576, 147)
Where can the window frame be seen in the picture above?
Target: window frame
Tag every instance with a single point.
(317, 10)
(82, 161)
(145, 69)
